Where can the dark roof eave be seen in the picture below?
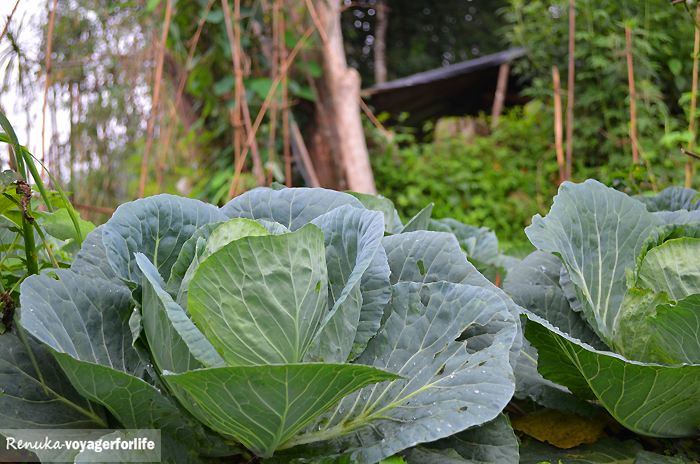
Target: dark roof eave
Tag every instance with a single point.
(447, 72)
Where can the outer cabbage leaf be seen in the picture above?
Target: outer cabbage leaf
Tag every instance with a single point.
(91, 261)
(598, 232)
(490, 443)
(671, 199)
(448, 386)
(678, 217)
(649, 399)
(384, 206)
(435, 256)
(676, 331)
(187, 255)
(534, 285)
(293, 208)
(156, 226)
(261, 300)
(84, 322)
(263, 406)
(85, 318)
(529, 383)
(273, 228)
(479, 243)
(23, 402)
(420, 221)
(176, 343)
(352, 238)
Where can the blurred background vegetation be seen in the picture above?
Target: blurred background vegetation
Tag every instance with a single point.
(105, 55)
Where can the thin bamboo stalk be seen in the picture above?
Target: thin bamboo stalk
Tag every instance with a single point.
(633, 96)
(234, 39)
(373, 118)
(500, 97)
(156, 96)
(9, 18)
(49, 41)
(285, 111)
(266, 104)
(273, 73)
(178, 98)
(693, 105)
(570, 102)
(558, 124)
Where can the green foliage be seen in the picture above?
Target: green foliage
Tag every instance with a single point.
(662, 58)
(497, 181)
(310, 332)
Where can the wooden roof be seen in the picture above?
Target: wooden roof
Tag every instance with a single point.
(461, 89)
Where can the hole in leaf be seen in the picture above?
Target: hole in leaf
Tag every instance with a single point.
(424, 296)
(318, 286)
(482, 363)
(462, 409)
(441, 371)
(421, 267)
(439, 352)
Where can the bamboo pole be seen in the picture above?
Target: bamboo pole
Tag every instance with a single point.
(558, 124)
(693, 105)
(273, 108)
(500, 97)
(265, 106)
(156, 96)
(180, 90)
(570, 102)
(633, 96)
(49, 41)
(285, 112)
(236, 50)
(9, 18)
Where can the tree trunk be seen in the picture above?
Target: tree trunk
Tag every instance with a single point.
(380, 43)
(343, 86)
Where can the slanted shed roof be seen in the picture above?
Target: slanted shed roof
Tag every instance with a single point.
(460, 89)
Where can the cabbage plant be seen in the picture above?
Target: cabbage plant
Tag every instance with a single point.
(614, 312)
(293, 324)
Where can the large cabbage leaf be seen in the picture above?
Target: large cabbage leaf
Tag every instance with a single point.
(598, 232)
(449, 386)
(293, 208)
(426, 257)
(91, 261)
(263, 406)
(493, 442)
(479, 243)
(534, 285)
(157, 227)
(261, 300)
(24, 403)
(671, 199)
(352, 239)
(85, 323)
(649, 399)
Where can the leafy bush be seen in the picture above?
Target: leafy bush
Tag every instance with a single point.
(294, 323)
(498, 181)
(614, 313)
